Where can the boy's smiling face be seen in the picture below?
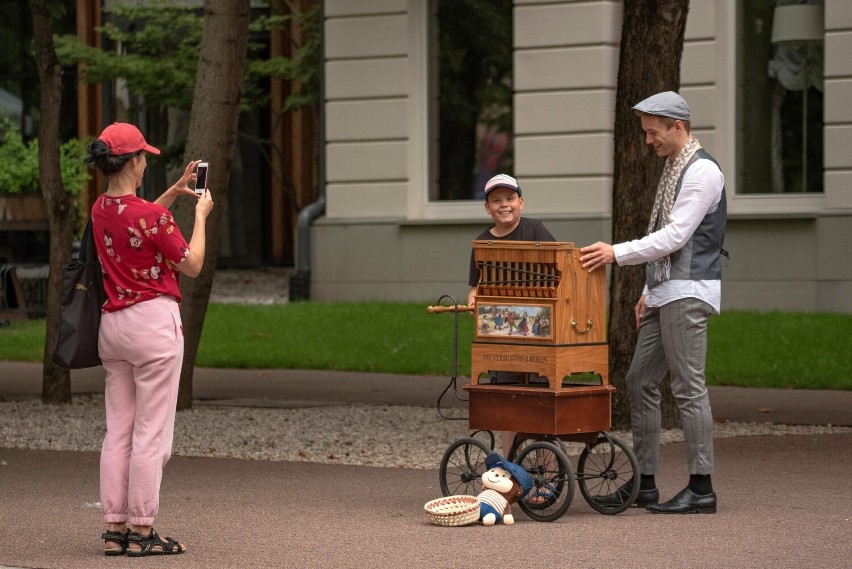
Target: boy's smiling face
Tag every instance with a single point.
(504, 205)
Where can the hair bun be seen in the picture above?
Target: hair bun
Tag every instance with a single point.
(97, 151)
(99, 148)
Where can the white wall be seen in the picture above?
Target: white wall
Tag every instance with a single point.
(367, 122)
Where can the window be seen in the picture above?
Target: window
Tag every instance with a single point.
(472, 96)
(780, 142)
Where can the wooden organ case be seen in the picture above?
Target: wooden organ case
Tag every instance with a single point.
(539, 312)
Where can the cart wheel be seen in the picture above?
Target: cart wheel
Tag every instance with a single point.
(553, 481)
(603, 467)
(523, 441)
(486, 437)
(462, 467)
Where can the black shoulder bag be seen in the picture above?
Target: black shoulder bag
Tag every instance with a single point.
(80, 308)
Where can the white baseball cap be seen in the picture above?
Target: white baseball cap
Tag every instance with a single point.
(502, 181)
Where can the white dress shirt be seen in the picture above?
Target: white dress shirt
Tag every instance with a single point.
(699, 195)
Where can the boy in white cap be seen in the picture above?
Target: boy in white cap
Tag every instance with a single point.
(504, 202)
(683, 251)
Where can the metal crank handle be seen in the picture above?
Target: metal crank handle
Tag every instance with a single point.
(456, 308)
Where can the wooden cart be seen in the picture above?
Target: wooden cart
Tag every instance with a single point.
(541, 316)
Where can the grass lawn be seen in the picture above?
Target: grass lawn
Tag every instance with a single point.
(747, 349)
(782, 350)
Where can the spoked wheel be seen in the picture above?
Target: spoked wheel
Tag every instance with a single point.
(462, 467)
(603, 468)
(521, 441)
(553, 480)
(485, 437)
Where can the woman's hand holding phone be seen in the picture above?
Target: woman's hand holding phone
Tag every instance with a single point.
(201, 171)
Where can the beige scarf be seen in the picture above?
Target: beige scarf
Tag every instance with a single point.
(664, 200)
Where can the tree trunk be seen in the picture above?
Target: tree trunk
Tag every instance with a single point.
(212, 136)
(61, 213)
(649, 62)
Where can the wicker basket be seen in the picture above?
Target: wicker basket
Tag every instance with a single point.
(453, 510)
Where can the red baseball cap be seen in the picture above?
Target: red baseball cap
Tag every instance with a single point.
(124, 138)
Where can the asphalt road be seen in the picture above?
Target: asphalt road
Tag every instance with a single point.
(784, 501)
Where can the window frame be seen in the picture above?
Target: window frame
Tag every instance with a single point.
(422, 154)
(729, 43)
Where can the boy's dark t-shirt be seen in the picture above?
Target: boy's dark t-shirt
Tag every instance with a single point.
(527, 230)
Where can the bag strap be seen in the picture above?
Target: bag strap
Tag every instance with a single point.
(87, 244)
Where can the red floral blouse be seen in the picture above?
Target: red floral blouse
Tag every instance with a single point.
(139, 247)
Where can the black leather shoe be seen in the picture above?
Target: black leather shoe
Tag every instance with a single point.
(617, 498)
(686, 502)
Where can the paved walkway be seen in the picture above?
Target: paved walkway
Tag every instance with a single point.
(784, 500)
(294, 387)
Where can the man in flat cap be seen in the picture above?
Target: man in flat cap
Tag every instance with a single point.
(683, 251)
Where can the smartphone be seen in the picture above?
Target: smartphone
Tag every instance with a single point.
(201, 178)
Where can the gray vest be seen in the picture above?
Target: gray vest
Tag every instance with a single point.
(700, 257)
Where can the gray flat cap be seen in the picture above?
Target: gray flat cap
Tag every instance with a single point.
(667, 104)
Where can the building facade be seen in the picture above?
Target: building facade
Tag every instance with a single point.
(383, 234)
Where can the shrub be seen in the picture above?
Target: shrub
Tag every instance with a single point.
(19, 164)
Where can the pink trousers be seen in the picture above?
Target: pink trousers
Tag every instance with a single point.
(142, 350)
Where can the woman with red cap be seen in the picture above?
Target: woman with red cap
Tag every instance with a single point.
(141, 251)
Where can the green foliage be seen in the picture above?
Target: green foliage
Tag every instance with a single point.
(160, 45)
(19, 163)
(302, 69)
(778, 350)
